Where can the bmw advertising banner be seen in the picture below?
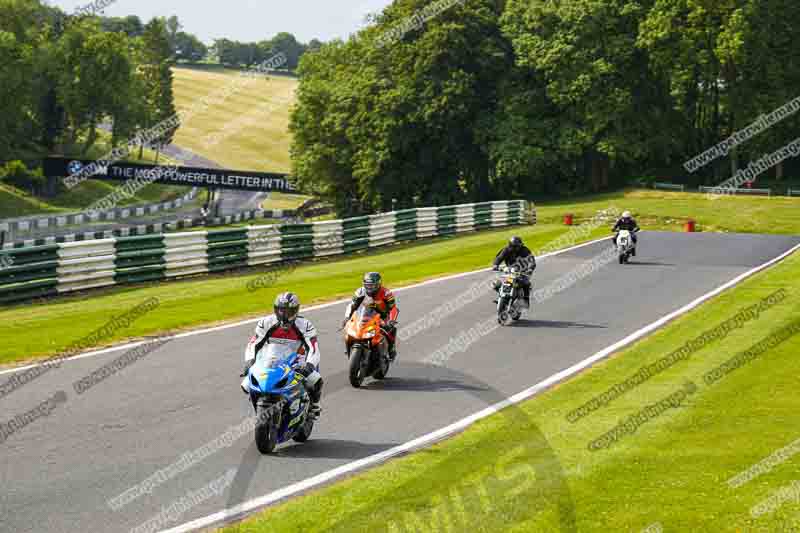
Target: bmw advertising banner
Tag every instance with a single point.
(190, 176)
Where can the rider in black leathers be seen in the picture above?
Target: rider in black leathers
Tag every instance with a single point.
(517, 254)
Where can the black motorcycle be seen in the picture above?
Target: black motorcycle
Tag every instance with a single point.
(510, 296)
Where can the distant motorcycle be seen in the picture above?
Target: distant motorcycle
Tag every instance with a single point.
(280, 397)
(367, 346)
(625, 246)
(510, 294)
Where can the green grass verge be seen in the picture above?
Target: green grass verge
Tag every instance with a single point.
(673, 470)
(670, 210)
(210, 299)
(17, 203)
(279, 200)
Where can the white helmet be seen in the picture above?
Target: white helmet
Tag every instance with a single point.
(626, 214)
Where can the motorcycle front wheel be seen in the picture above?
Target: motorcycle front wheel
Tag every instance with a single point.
(383, 367)
(356, 372)
(503, 316)
(304, 433)
(266, 433)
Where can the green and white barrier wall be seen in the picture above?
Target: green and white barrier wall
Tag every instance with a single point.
(42, 271)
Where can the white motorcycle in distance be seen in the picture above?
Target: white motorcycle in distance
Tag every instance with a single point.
(625, 246)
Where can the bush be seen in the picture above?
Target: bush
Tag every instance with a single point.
(20, 176)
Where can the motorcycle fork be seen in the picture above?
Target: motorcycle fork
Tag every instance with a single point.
(274, 409)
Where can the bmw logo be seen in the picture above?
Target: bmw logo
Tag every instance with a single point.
(73, 167)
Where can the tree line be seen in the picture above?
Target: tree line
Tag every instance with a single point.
(239, 54)
(497, 99)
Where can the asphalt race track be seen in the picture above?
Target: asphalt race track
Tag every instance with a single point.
(58, 472)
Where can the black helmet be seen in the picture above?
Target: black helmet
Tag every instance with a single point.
(372, 283)
(286, 306)
(515, 242)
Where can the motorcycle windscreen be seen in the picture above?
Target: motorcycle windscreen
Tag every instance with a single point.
(274, 354)
(366, 314)
(273, 364)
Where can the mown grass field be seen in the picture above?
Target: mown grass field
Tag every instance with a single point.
(512, 471)
(249, 130)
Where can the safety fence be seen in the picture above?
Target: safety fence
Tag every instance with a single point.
(731, 190)
(43, 271)
(23, 225)
(161, 227)
(669, 186)
(724, 190)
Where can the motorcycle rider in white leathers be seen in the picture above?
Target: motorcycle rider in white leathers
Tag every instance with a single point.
(286, 327)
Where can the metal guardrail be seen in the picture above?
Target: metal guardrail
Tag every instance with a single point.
(669, 186)
(60, 220)
(731, 190)
(161, 227)
(44, 271)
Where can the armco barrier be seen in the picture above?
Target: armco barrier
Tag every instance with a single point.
(43, 271)
(669, 186)
(730, 190)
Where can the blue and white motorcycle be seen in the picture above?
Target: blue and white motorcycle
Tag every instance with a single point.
(280, 397)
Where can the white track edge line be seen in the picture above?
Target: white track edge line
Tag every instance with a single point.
(437, 435)
(192, 333)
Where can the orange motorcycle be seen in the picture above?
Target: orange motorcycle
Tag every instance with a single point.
(367, 346)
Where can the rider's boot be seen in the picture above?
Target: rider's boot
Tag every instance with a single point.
(315, 395)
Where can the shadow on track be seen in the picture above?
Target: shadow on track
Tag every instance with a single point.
(650, 263)
(559, 324)
(333, 449)
(422, 385)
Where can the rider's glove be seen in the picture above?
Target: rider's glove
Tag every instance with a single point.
(247, 366)
(307, 370)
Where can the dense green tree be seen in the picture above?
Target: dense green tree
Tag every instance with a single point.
(290, 47)
(95, 76)
(131, 25)
(155, 58)
(188, 47)
(402, 121)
